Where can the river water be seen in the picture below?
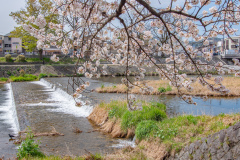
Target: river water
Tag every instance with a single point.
(8, 122)
(175, 106)
(45, 104)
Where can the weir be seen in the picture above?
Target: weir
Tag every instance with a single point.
(44, 106)
(8, 121)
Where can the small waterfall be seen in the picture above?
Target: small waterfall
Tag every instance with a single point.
(64, 101)
(125, 142)
(10, 110)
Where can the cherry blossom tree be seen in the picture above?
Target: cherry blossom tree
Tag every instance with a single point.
(133, 28)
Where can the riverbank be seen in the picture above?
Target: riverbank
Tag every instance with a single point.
(157, 139)
(162, 87)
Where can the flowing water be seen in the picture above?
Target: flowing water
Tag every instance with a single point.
(44, 105)
(175, 106)
(8, 122)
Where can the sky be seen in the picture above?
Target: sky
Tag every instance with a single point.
(7, 6)
(6, 22)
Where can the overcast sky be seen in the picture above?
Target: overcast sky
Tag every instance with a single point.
(6, 22)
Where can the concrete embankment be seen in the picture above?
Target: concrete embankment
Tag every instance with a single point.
(223, 145)
(69, 69)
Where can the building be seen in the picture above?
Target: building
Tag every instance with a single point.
(232, 44)
(10, 45)
(1, 44)
(213, 46)
(52, 50)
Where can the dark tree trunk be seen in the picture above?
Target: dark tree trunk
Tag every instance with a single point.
(40, 52)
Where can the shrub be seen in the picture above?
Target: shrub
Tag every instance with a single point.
(3, 79)
(145, 128)
(29, 148)
(52, 75)
(9, 73)
(26, 77)
(161, 89)
(8, 58)
(20, 58)
(42, 75)
(102, 86)
(131, 119)
(22, 72)
(116, 108)
(169, 88)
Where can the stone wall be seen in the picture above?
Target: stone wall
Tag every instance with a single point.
(223, 145)
(10, 70)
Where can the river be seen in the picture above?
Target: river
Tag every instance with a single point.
(45, 104)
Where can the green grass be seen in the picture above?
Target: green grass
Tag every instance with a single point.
(88, 157)
(29, 148)
(2, 59)
(42, 75)
(3, 79)
(26, 77)
(150, 114)
(163, 89)
(145, 129)
(175, 133)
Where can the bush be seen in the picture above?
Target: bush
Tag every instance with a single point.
(29, 148)
(42, 75)
(20, 58)
(3, 79)
(8, 58)
(161, 89)
(22, 72)
(152, 112)
(26, 77)
(145, 128)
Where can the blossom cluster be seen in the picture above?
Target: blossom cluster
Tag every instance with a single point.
(132, 33)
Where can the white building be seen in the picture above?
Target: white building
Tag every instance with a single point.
(232, 44)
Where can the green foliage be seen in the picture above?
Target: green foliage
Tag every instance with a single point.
(163, 89)
(52, 75)
(169, 88)
(169, 128)
(9, 73)
(130, 119)
(116, 108)
(8, 58)
(167, 133)
(42, 75)
(22, 72)
(2, 59)
(96, 156)
(149, 112)
(102, 86)
(26, 77)
(29, 148)
(145, 129)
(30, 42)
(20, 58)
(3, 79)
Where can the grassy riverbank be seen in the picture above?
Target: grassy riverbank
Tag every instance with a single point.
(163, 87)
(157, 136)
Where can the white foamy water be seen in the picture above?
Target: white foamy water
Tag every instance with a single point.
(62, 100)
(122, 143)
(9, 115)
